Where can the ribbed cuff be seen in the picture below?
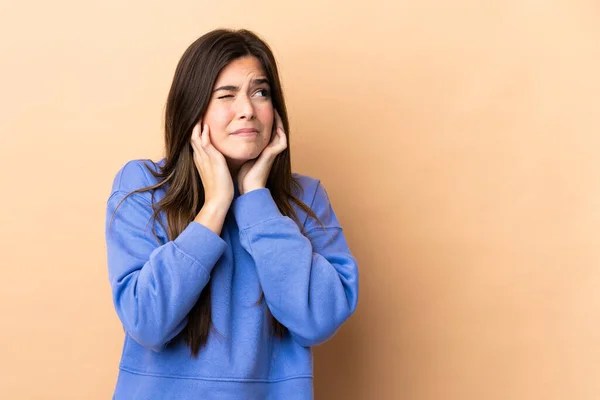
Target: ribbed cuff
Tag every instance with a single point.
(255, 207)
(202, 244)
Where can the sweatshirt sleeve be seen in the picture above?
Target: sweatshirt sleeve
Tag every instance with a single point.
(154, 286)
(310, 282)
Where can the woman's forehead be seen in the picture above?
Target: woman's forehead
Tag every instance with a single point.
(242, 69)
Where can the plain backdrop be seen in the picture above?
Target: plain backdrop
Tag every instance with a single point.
(458, 141)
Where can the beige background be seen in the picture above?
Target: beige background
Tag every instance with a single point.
(458, 140)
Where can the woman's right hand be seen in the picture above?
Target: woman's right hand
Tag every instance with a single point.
(213, 170)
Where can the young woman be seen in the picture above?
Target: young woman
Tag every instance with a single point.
(225, 267)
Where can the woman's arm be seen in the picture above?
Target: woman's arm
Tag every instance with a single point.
(154, 286)
(310, 282)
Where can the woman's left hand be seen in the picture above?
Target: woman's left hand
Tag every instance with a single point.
(253, 174)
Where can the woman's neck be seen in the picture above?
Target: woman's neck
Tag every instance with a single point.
(234, 168)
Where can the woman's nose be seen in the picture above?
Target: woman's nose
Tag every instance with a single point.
(245, 108)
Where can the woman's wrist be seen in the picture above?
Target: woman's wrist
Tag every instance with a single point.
(212, 216)
(249, 188)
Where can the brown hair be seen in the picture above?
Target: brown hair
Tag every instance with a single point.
(188, 100)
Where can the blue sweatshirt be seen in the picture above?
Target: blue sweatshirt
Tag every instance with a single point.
(310, 284)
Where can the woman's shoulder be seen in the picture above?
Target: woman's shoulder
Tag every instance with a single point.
(307, 187)
(313, 194)
(135, 174)
(311, 191)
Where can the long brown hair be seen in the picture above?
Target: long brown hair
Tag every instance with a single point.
(188, 100)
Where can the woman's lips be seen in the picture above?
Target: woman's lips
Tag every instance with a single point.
(245, 132)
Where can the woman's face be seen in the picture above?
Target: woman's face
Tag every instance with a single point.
(240, 112)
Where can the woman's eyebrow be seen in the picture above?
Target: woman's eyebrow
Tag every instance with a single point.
(260, 81)
(231, 88)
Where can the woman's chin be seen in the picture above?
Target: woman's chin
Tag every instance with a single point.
(237, 160)
(242, 156)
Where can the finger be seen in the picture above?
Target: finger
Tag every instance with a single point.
(195, 133)
(279, 135)
(280, 142)
(208, 147)
(195, 141)
(276, 124)
(198, 146)
(278, 120)
(271, 151)
(205, 139)
(281, 132)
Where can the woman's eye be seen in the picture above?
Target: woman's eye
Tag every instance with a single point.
(226, 96)
(263, 92)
